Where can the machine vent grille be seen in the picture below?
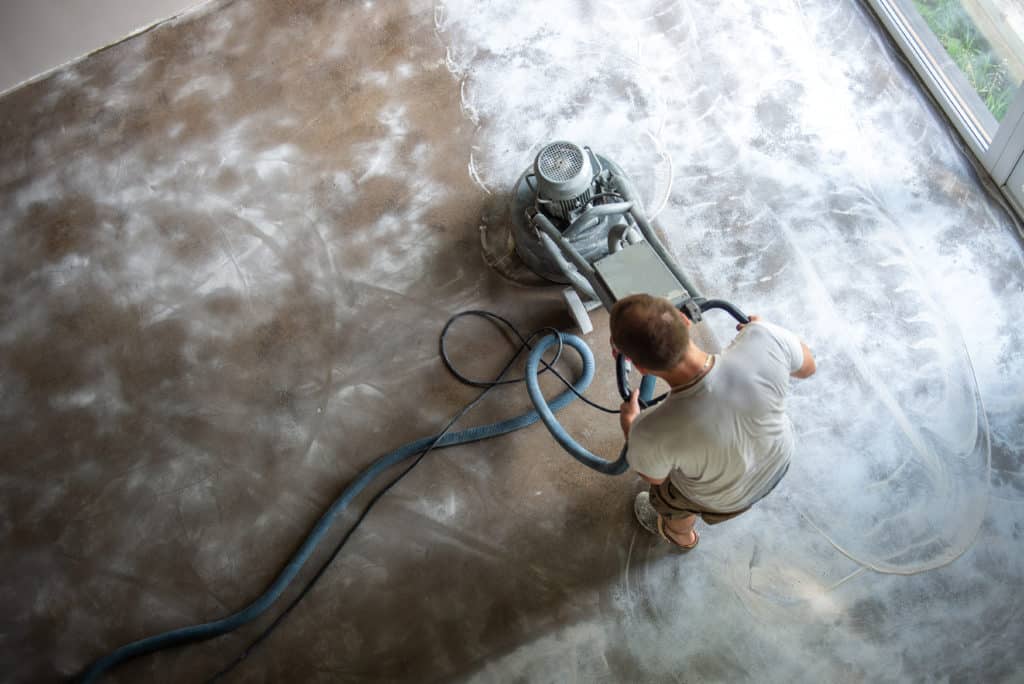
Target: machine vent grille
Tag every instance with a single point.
(560, 162)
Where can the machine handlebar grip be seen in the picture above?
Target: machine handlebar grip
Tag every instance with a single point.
(622, 376)
(727, 307)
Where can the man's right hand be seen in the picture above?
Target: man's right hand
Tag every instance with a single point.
(741, 326)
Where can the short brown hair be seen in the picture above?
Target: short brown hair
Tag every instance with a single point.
(650, 331)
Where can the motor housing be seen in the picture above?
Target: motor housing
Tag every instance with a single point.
(565, 179)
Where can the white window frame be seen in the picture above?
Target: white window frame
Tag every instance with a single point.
(999, 146)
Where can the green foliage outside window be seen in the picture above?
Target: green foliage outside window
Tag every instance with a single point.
(987, 72)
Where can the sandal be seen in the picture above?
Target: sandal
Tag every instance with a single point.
(682, 547)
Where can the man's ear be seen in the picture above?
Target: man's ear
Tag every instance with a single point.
(686, 319)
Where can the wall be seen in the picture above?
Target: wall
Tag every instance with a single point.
(38, 35)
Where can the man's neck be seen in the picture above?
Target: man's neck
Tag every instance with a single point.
(687, 370)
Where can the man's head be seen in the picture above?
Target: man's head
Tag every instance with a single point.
(651, 332)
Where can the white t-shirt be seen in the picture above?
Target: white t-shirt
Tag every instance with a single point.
(725, 441)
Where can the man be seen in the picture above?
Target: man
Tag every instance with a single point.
(721, 440)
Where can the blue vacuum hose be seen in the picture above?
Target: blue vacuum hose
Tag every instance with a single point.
(543, 410)
(541, 406)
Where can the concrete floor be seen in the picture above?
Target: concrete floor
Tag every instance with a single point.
(231, 242)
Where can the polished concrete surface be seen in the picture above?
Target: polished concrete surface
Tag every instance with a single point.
(229, 245)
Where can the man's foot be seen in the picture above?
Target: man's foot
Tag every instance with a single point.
(649, 519)
(672, 538)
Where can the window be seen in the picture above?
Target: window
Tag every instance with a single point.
(970, 54)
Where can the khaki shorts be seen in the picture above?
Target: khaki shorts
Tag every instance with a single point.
(673, 504)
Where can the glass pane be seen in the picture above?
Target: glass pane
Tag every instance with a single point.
(985, 40)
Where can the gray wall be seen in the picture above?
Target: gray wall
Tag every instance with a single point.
(38, 35)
